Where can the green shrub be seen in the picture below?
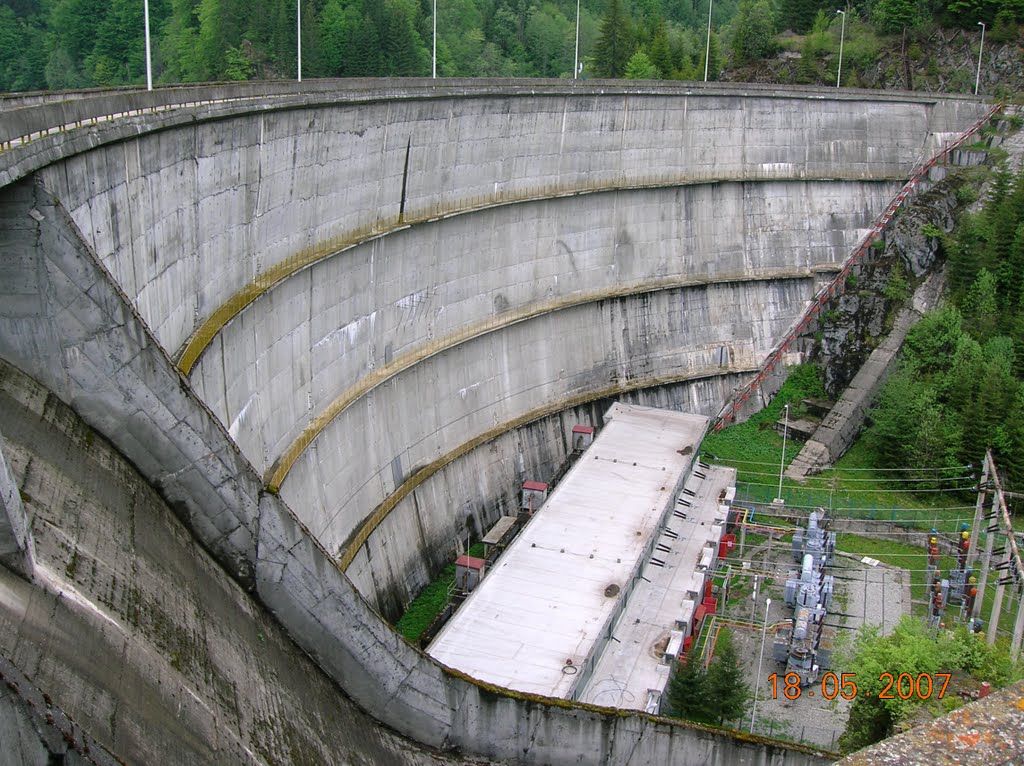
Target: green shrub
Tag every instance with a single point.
(966, 195)
(896, 288)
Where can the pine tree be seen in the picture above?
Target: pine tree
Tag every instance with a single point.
(728, 692)
(958, 383)
(999, 187)
(687, 691)
(983, 415)
(1013, 459)
(661, 51)
(981, 306)
(362, 45)
(614, 44)
(753, 30)
(798, 15)
(640, 67)
(402, 45)
(1012, 274)
(1016, 333)
(895, 416)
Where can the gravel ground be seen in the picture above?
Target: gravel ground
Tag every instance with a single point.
(877, 595)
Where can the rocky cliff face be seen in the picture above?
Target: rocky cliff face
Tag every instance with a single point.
(857, 321)
(935, 61)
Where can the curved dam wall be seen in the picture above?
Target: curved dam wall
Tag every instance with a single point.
(198, 285)
(241, 197)
(297, 260)
(500, 313)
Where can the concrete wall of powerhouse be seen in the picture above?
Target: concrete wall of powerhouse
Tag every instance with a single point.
(154, 232)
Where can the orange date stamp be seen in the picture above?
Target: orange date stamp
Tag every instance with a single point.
(902, 686)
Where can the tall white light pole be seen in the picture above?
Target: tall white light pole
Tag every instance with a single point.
(433, 64)
(842, 34)
(149, 58)
(977, 77)
(576, 60)
(707, 51)
(757, 684)
(782, 463)
(298, 33)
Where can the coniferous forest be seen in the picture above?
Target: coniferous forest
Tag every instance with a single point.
(958, 389)
(65, 44)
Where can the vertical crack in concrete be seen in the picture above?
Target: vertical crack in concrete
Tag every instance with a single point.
(405, 182)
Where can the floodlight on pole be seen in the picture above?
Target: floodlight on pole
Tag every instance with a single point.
(842, 34)
(977, 77)
(707, 50)
(298, 34)
(149, 58)
(782, 463)
(576, 60)
(433, 58)
(760, 662)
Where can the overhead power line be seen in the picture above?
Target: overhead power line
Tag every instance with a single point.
(874, 490)
(962, 477)
(838, 470)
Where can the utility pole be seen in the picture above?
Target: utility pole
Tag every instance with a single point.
(986, 561)
(997, 603)
(1018, 625)
(707, 51)
(576, 60)
(149, 58)
(977, 78)
(979, 506)
(842, 36)
(1012, 572)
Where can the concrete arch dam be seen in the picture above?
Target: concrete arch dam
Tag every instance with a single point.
(335, 326)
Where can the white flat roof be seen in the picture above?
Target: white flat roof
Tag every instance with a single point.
(544, 601)
(630, 668)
